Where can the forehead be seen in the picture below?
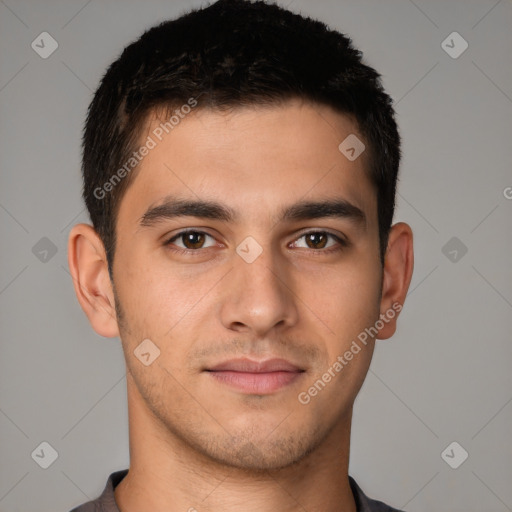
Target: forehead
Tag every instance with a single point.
(254, 159)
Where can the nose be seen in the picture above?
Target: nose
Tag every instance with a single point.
(258, 296)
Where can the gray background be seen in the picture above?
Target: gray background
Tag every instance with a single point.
(445, 375)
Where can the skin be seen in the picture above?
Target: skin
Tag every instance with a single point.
(195, 442)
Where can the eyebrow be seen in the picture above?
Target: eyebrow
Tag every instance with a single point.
(174, 207)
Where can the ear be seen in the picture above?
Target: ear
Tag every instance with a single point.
(397, 274)
(88, 266)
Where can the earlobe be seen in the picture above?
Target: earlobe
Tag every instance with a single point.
(88, 267)
(398, 268)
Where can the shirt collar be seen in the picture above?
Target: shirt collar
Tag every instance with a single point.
(107, 500)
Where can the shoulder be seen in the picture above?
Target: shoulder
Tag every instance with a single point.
(365, 504)
(106, 501)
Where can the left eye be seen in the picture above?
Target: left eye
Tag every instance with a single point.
(318, 240)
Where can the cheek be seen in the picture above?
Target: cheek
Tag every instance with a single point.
(345, 299)
(158, 299)
(346, 303)
(141, 292)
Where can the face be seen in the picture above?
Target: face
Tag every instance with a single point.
(255, 276)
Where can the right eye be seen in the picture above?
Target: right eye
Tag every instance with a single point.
(192, 240)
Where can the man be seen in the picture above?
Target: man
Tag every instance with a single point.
(240, 166)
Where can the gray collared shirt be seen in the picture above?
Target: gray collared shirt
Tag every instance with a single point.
(107, 503)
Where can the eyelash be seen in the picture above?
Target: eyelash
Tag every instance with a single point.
(342, 243)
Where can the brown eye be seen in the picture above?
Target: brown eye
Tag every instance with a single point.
(319, 240)
(316, 240)
(191, 240)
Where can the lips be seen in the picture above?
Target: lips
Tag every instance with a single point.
(255, 377)
(249, 366)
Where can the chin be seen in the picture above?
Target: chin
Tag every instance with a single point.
(258, 456)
